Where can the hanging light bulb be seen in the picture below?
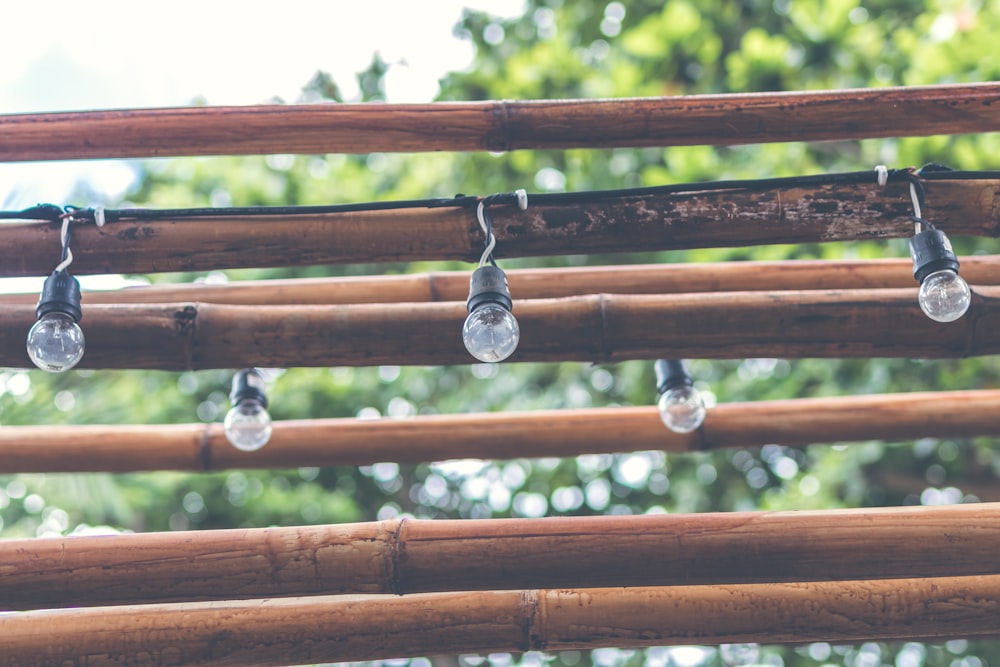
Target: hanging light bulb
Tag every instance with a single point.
(681, 407)
(490, 332)
(55, 341)
(247, 424)
(944, 295)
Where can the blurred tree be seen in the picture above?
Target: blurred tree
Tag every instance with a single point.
(558, 49)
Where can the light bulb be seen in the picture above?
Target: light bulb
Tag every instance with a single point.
(55, 342)
(944, 296)
(682, 409)
(681, 406)
(490, 332)
(247, 424)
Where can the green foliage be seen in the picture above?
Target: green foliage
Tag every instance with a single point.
(561, 50)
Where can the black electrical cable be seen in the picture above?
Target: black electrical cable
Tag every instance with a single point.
(52, 213)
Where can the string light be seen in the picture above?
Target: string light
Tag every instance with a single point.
(248, 424)
(55, 342)
(681, 406)
(491, 332)
(944, 296)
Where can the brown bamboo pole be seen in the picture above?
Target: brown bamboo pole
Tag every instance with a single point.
(503, 125)
(548, 283)
(738, 217)
(597, 328)
(412, 556)
(335, 629)
(501, 435)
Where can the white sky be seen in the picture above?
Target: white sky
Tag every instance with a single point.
(60, 55)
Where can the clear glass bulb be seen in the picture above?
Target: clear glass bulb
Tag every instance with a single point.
(944, 296)
(682, 409)
(491, 333)
(55, 342)
(247, 425)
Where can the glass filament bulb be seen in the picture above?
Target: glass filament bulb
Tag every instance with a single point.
(491, 333)
(944, 296)
(55, 342)
(248, 425)
(682, 409)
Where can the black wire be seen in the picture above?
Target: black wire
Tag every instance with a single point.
(52, 213)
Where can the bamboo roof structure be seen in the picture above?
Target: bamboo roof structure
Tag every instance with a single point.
(278, 596)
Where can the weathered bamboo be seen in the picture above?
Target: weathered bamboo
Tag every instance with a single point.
(501, 435)
(548, 283)
(597, 328)
(626, 224)
(334, 629)
(410, 556)
(502, 126)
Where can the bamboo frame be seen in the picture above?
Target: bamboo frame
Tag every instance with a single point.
(503, 126)
(502, 435)
(411, 556)
(732, 218)
(339, 628)
(546, 283)
(596, 328)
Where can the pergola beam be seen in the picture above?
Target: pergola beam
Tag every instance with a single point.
(346, 628)
(596, 328)
(546, 283)
(503, 125)
(637, 223)
(500, 435)
(407, 556)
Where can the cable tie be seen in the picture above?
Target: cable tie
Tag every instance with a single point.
(882, 173)
(99, 216)
(522, 198)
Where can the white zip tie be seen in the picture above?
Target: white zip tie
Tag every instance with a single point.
(916, 207)
(522, 199)
(883, 175)
(99, 216)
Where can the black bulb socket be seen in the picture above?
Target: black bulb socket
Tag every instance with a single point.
(931, 252)
(670, 374)
(488, 285)
(248, 384)
(60, 294)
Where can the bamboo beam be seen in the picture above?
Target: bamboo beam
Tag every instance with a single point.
(501, 435)
(597, 328)
(337, 629)
(412, 556)
(547, 283)
(503, 125)
(739, 217)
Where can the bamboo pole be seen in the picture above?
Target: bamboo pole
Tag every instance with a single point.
(503, 125)
(738, 217)
(501, 435)
(335, 629)
(412, 556)
(596, 328)
(547, 283)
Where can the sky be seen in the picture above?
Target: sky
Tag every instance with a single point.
(67, 56)
(58, 55)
